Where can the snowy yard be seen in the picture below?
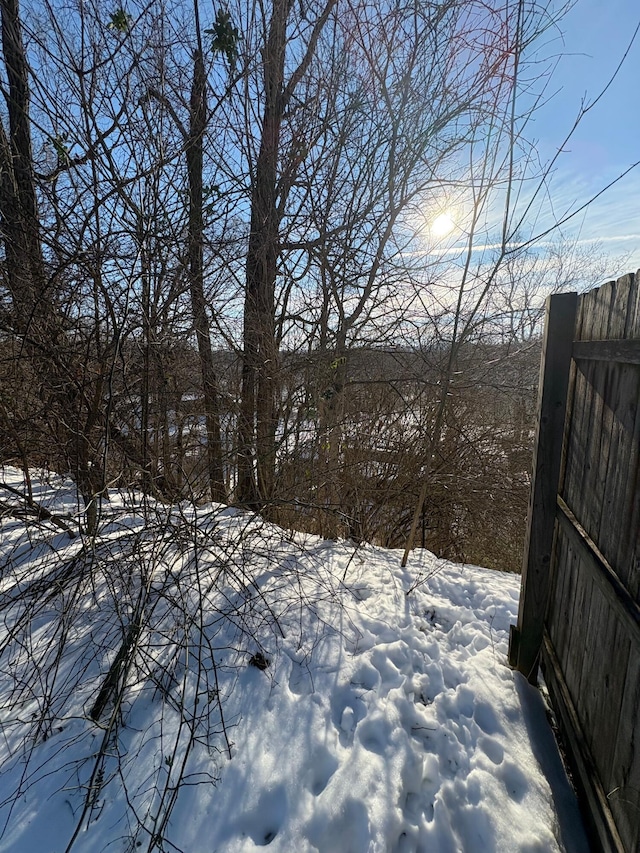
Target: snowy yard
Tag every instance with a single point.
(272, 690)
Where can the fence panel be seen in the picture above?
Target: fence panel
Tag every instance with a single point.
(584, 564)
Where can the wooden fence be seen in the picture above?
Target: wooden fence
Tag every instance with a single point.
(579, 614)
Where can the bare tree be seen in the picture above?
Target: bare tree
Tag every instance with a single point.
(194, 154)
(34, 287)
(269, 192)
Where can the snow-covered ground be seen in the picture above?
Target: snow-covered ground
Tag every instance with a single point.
(267, 689)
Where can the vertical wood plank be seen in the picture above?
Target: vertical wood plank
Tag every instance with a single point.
(573, 399)
(611, 704)
(573, 654)
(624, 493)
(588, 431)
(632, 322)
(559, 618)
(578, 447)
(621, 482)
(600, 822)
(599, 691)
(559, 590)
(554, 380)
(633, 584)
(592, 650)
(573, 467)
(624, 795)
(609, 392)
(588, 443)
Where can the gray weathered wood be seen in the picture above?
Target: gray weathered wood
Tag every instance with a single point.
(588, 591)
(601, 572)
(606, 383)
(561, 586)
(621, 490)
(573, 653)
(624, 793)
(577, 429)
(583, 659)
(611, 704)
(589, 430)
(621, 403)
(625, 352)
(554, 380)
(594, 797)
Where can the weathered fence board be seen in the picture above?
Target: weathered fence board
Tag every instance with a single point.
(619, 351)
(554, 380)
(601, 820)
(579, 613)
(624, 795)
(627, 609)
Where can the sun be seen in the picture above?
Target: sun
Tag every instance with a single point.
(442, 225)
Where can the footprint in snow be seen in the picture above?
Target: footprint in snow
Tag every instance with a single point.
(348, 720)
(345, 829)
(412, 807)
(265, 821)
(492, 749)
(366, 677)
(465, 699)
(322, 766)
(452, 675)
(299, 680)
(486, 718)
(347, 711)
(514, 781)
(375, 734)
(404, 844)
(361, 593)
(392, 671)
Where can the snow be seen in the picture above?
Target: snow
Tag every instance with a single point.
(281, 691)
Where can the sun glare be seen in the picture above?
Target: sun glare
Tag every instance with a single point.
(442, 225)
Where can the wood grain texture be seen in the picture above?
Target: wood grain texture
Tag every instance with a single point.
(604, 834)
(591, 627)
(594, 564)
(554, 381)
(624, 352)
(624, 793)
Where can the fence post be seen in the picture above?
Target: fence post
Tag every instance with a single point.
(526, 638)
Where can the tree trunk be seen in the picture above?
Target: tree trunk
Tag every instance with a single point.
(36, 319)
(20, 225)
(260, 360)
(194, 154)
(332, 415)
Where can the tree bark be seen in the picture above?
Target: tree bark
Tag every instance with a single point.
(18, 208)
(258, 419)
(194, 155)
(35, 318)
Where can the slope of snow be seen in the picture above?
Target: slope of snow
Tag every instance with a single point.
(277, 691)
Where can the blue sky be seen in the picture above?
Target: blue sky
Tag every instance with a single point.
(596, 34)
